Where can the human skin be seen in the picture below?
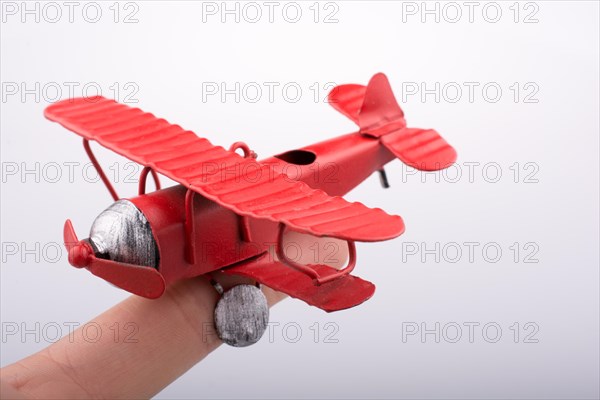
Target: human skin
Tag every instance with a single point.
(174, 333)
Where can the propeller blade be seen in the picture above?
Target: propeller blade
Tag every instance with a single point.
(143, 281)
(79, 251)
(69, 235)
(136, 279)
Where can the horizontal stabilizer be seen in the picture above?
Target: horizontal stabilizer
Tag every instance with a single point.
(423, 149)
(348, 99)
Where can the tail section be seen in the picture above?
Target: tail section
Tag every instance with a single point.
(377, 113)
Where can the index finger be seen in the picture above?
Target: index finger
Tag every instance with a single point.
(173, 333)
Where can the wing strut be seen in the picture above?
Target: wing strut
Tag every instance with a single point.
(142, 182)
(94, 160)
(309, 270)
(190, 234)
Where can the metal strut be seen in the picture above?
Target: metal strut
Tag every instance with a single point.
(383, 179)
(190, 243)
(307, 269)
(243, 221)
(143, 176)
(96, 164)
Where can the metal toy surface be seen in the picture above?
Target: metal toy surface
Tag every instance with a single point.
(229, 209)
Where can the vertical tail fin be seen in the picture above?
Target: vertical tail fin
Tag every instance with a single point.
(379, 107)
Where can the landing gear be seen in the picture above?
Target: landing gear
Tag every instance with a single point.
(241, 315)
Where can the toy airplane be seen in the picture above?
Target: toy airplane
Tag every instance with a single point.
(229, 208)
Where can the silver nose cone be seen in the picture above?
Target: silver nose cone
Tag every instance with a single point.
(122, 233)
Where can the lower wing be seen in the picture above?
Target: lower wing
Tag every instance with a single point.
(344, 292)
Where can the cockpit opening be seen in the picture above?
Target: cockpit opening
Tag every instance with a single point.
(298, 157)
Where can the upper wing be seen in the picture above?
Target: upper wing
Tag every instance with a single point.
(239, 184)
(344, 292)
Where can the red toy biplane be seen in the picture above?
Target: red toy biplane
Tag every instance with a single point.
(229, 208)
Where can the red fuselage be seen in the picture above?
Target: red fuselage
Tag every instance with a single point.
(335, 166)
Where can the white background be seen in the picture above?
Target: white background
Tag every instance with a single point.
(174, 51)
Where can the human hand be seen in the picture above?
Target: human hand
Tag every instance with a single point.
(174, 333)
